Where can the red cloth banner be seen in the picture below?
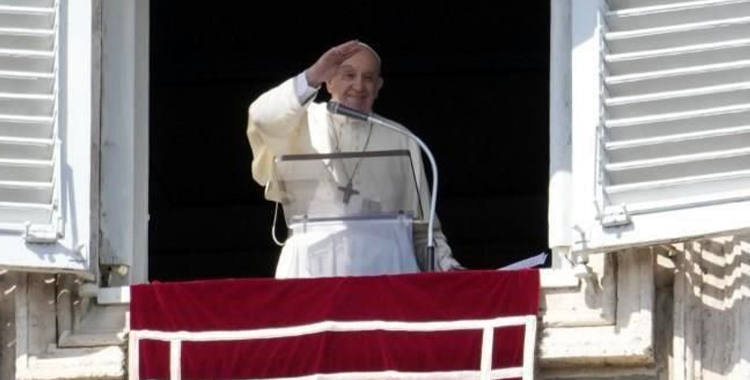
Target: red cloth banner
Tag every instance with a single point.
(380, 325)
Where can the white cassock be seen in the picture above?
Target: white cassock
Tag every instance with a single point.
(284, 121)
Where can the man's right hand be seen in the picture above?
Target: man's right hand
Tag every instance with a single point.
(326, 66)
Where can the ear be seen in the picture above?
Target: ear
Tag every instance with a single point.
(328, 85)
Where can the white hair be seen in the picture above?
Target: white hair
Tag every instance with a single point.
(374, 54)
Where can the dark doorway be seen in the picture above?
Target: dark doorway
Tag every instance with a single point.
(470, 78)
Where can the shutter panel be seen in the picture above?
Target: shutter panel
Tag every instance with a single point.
(46, 128)
(28, 123)
(672, 146)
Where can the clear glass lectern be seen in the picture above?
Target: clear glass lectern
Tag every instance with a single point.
(375, 184)
(349, 213)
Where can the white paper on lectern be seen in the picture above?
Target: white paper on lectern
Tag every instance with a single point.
(530, 262)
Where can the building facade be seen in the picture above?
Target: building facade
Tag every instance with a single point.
(649, 106)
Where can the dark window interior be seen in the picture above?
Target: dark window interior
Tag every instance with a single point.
(470, 78)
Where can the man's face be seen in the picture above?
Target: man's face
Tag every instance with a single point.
(357, 82)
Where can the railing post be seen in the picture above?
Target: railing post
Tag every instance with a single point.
(175, 360)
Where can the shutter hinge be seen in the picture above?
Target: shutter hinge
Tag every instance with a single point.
(615, 216)
(44, 233)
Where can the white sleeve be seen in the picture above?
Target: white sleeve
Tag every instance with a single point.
(304, 92)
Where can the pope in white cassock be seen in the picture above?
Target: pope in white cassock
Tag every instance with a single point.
(285, 120)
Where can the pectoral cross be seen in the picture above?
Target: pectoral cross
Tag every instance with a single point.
(348, 191)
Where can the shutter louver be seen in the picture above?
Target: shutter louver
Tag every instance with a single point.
(675, 105)
(29, 151)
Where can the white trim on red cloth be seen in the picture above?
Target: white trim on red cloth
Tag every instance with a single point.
(485, 371)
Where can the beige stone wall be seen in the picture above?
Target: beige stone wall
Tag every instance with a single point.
(701, 316)
(8, 290)
(711, 338)
(47, 332)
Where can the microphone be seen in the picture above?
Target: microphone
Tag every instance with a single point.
(340, 109)
(370, 117)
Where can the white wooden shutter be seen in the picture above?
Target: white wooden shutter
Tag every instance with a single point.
(661, 120)
(45, 148)
(29, 185)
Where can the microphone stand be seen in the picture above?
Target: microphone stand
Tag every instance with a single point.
(339, 109)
